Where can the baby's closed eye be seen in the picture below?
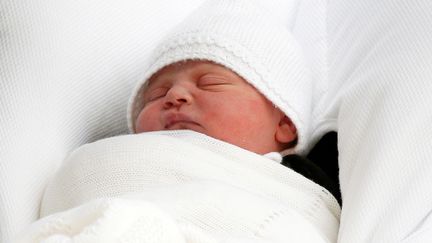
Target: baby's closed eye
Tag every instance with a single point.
(156, 93)
(213, 82)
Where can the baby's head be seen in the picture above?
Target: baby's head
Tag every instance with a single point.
(232, 72)
(211, 99)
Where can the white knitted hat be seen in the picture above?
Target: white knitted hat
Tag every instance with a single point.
(239, 35)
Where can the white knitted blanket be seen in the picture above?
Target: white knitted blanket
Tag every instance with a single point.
(180, 186)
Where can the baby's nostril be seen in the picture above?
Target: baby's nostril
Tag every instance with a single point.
(182, 100)
(168, 104)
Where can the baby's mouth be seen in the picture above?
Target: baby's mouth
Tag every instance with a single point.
(180, 121)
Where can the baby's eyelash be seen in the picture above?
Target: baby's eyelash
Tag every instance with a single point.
(212, 80)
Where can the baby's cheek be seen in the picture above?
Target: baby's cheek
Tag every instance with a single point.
(148, 120)
(254, 107)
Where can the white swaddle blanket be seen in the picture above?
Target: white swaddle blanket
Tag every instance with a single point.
(180, 186)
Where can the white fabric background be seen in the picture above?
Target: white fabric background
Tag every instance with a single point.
(66, 70)
(379, 99)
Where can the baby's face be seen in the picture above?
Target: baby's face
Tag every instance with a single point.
(210, 99)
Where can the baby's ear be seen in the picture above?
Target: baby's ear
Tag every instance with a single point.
(286, 131)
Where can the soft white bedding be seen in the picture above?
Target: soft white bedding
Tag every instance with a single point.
(180, 186)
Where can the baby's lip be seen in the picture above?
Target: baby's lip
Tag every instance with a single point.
(179, 121)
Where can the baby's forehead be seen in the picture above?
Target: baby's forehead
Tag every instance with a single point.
(190, 66)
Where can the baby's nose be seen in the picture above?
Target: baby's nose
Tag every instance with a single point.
(177, 96)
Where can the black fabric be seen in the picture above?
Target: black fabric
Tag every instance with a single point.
(311, 171)
(325, 155)
(320, 165)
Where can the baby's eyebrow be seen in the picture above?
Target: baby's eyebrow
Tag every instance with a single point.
(145, 90)
(151, 82)
(216, 77)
